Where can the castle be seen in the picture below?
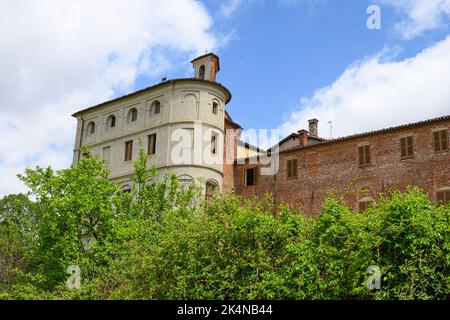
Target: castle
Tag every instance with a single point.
(184, 127)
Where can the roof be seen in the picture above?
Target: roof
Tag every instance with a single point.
(369, 133)
(209, 54)
(161, 84)
(296, 135)
(365, 134)
(230, 120)
(250, 146)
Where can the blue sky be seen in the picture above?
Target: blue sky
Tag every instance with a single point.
(285, 61)
(281, 51)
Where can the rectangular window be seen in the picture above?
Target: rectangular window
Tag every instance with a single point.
(107, 153)
(250, 177)
(292, 168)
(406, 147)
(213, 143)
(443, 196)
(364, 155)
(215, 108)
(151, 149)
(440, 141)
(128, 150)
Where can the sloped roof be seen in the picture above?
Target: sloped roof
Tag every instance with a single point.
(369, 133)
(161, 84)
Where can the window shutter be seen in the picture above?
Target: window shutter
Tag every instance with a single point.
(289, 168)
(437, 144)
(410, 148)
(361, 156)
(128, 150)
(367, 155)
(440, 196)
(152, 144)
(403, 147)
(295, 165)
(444, 140)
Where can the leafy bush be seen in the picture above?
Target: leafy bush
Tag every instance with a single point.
(163, 241)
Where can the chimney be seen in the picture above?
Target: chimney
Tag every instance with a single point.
(303, 137)
(313, 127)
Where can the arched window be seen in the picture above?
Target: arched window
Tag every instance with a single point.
(111, 122)
(443, 195)
(211, 188)
(156, 107)
(126, 188)
(365, 203)
(132, 115)
(185, 180)
(91, 127)
(201, 72)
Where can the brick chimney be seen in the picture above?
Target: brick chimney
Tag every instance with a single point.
(313, 127)
(303, 137)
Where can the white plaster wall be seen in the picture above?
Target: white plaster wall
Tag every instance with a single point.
(182, 105)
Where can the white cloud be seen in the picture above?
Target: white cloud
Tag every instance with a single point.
(421, 15)
(58, 57)
(377, 93)
(227, 9)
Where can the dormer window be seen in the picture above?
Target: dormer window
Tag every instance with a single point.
(201, 72)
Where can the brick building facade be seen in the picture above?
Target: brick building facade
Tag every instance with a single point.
(358, 167)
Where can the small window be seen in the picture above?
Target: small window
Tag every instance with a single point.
(211, 187)
(250, 177)
(364, 155)
(443, 196)
(406, 147)
(128, 150)
(440, 141)
(152, 144)
(201, 72)
(215, 107)
(91, 127)
(213, 143)
(111, 121)
(132, 115)
(185, 180)
(292, 165)
(364, 205)
(156, 107)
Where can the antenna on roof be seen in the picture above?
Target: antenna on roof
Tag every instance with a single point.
(331, 129)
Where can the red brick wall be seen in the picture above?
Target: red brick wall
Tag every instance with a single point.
(228, 168)
(334, 166)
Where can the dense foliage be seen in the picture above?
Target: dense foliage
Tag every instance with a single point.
(163, 241)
